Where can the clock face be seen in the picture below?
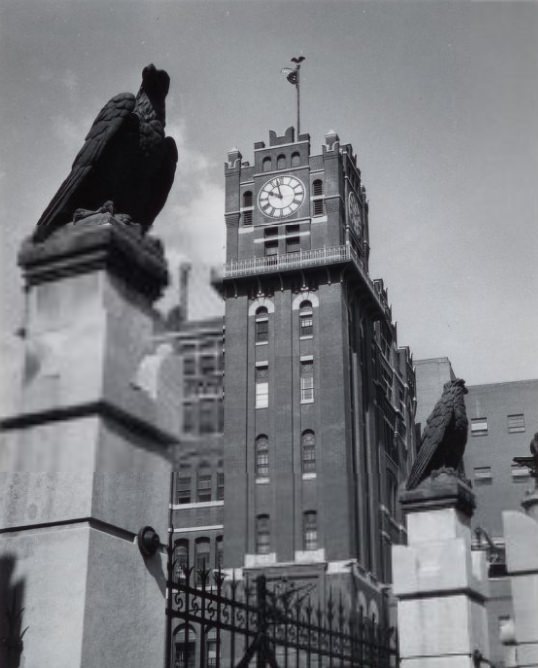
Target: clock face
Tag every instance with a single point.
(354, 212)
(281, 196)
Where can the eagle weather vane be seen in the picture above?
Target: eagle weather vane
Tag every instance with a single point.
(293, 76)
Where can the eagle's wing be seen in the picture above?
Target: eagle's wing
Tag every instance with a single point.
(112, 117)
(162, 179)
(436, 427)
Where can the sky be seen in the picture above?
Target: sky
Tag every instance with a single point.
(438, 99)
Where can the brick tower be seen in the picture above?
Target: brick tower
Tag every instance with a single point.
(319, 400)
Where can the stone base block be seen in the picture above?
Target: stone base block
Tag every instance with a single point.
(441, 626)
(88, 598)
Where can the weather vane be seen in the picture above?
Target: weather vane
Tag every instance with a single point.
(292, 75)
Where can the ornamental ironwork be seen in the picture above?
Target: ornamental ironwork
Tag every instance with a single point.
(216, 621)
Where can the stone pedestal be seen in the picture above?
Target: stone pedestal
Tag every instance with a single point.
(440, 584)
(84, 457)
(521, 538)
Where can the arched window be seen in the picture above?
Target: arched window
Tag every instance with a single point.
(295, 159)
(262, 325)
(317, 192)
(305, 319)
(266, 164)
(263, 534)
(281, 162)
(262, 456)
(181, 558)
(185, 647)
(308, 449)
(202, 555)
(247, 204)
(310, 530)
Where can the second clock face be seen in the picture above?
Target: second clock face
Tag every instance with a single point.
(354, 210)
(281, 196)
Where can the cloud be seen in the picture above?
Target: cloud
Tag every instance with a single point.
(192, 227)
(70, 133)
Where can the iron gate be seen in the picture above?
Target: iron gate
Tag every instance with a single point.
(214, 622)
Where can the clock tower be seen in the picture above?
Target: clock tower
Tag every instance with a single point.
(319, 399)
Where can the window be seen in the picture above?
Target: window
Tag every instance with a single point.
(479, 426)
(189, 422)
(219, 552)
(247, 204)
(295, 159)
(266, 164)
(203, 487)
(281, 162)
(208, 364)
(515, 423)
(310, 529)
(308, 447)
(293, 244)
(271, 248)
(262, 456)
(220, 486)
(262, 386)
(520, 473)
(482, 475)
(262, 325)
(220, 416)
(207, 416)
(392, 493)
(189, 366)
(183, 489)
(263, 534)
(317, 192)
(181, 559)
(201, 556)
(211, 653)
(305, 319)
(307, 381)
(185, 654)
(270, 231)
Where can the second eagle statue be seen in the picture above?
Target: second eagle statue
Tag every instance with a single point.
(126, 165)
(445, 435)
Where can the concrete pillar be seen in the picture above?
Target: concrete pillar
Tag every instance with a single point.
(440, 584)
(521, 539)
(84, 456)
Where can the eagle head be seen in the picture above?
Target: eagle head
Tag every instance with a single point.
(155, 82)
(457, 382)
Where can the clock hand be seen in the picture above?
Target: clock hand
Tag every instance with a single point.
(275, 194)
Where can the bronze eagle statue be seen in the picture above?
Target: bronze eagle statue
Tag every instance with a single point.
(126, 164)
(445, 435)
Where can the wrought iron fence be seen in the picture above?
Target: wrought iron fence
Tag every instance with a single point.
(216, 622)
